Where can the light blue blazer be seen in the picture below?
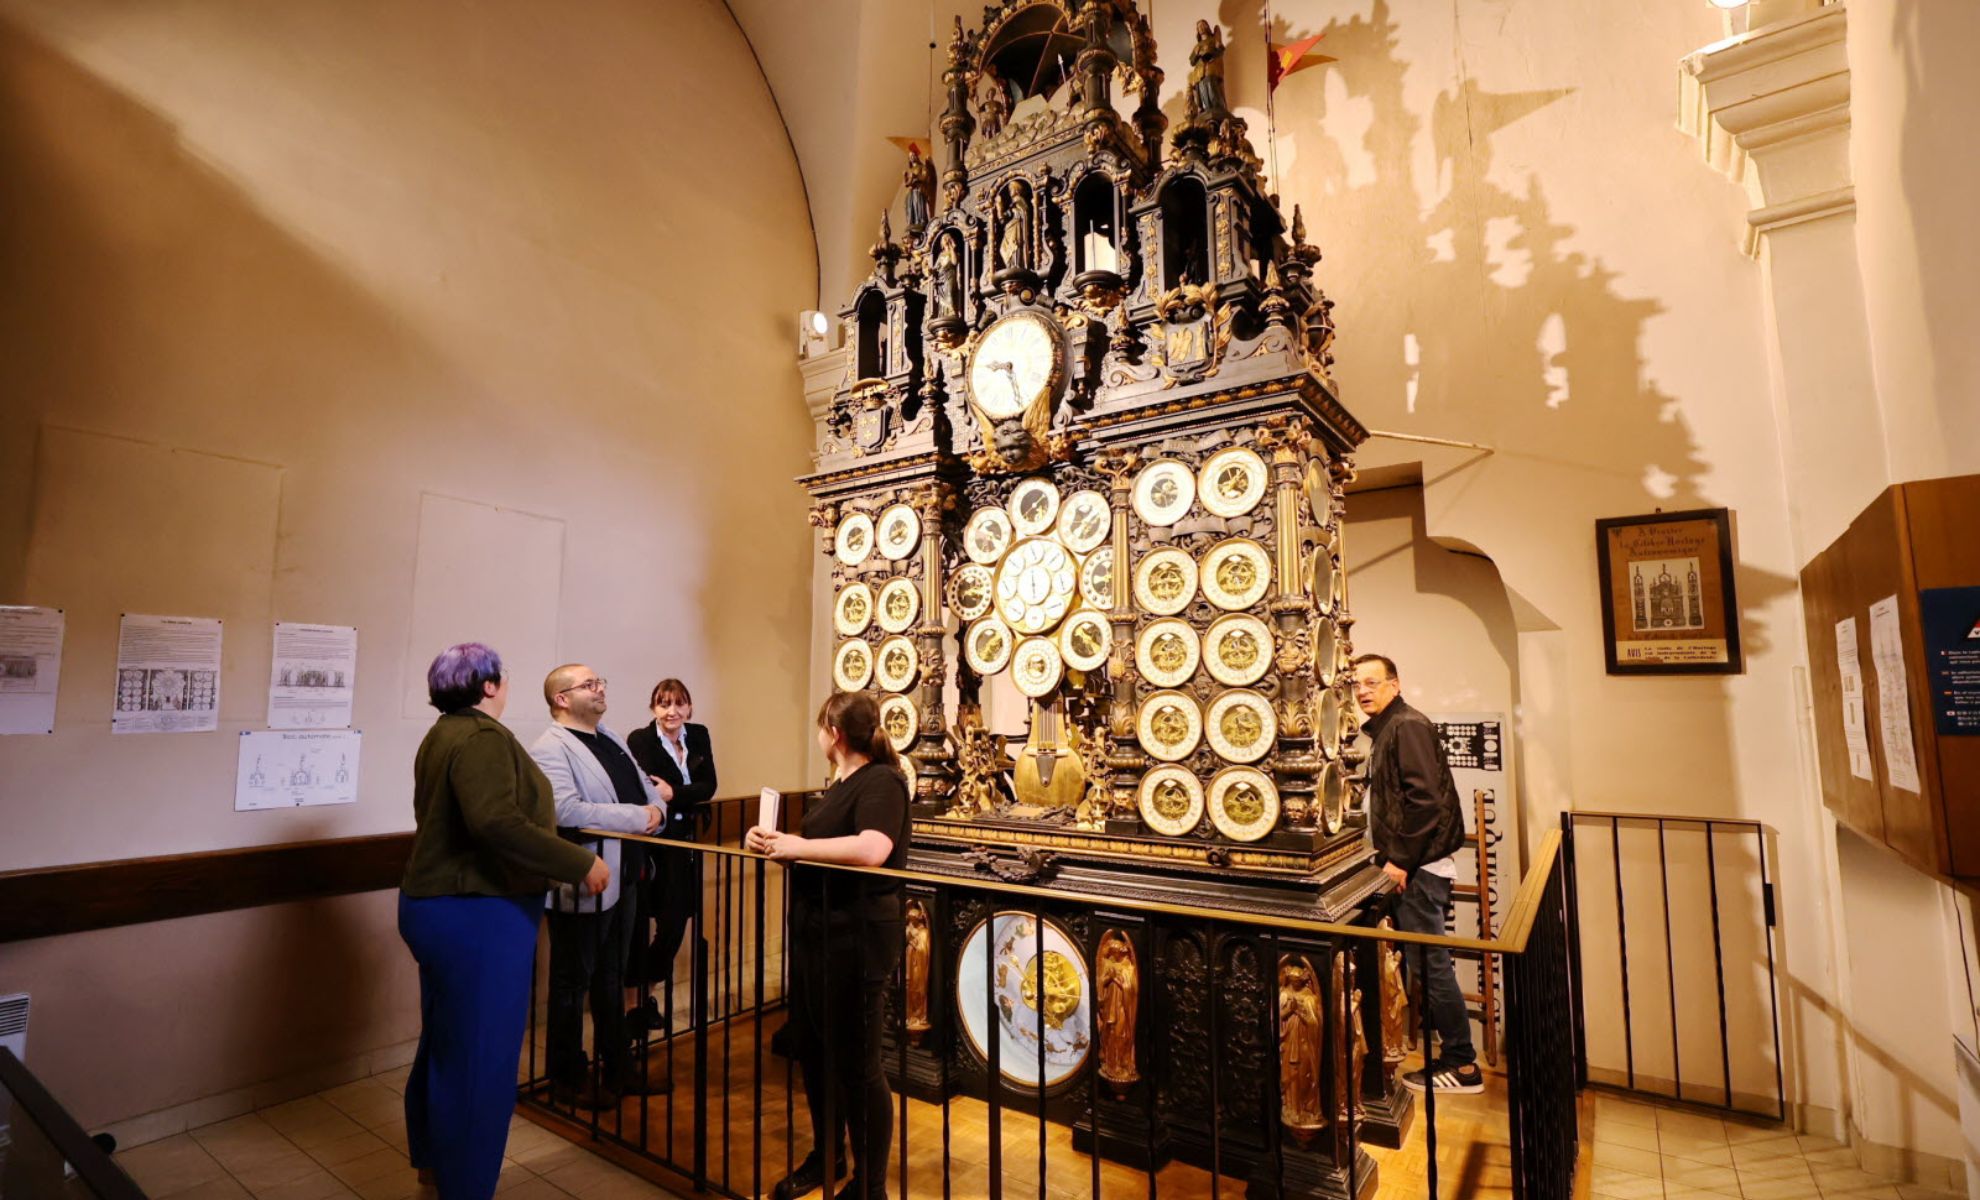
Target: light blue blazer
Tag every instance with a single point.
(586, 799)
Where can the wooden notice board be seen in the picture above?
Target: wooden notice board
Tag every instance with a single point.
(1914, 537)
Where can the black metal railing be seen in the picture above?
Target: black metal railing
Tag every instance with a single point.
(1193, 1100)
(1624, 872)
(43, 1152)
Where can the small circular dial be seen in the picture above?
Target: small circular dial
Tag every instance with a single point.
(1036, 584)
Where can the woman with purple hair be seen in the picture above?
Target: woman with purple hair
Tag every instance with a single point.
(484, 845)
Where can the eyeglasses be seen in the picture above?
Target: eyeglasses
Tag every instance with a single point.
(589, 685)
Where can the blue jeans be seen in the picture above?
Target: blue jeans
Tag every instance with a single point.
(1419, 908)
(474, 954)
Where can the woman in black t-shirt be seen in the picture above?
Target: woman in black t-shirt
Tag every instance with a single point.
(840, 921)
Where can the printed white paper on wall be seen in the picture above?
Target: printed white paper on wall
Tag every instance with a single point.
(168, 675)
(1856, 727)
(285, 769)
(313, 677)
(1893, 697)
(30, 668)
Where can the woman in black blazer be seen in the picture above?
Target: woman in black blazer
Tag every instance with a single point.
(681, 761)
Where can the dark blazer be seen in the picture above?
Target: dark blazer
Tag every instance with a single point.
(1413, 812)
(689, 800)
(486, 822)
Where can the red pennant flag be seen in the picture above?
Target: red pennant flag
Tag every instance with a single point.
(922, 144)
(1286, 59)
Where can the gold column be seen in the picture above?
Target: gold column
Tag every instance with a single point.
(1284, 439)
(935, 774)
(1125, 761)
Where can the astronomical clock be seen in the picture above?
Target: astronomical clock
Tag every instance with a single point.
(1081, 493)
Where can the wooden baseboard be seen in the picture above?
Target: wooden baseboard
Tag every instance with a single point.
(47, 901)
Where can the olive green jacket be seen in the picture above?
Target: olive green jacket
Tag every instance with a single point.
(487, 825)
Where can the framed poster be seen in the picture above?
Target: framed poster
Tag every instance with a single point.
(1667, 594)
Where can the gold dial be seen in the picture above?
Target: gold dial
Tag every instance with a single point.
(1170, 726)
(1244, 803)
(899, 605)
(853, 611)
(1017, 361)
(898, 718)
(1167, 652)
(1036, 584)
(1085, 639)
(1236, 573)
(969, 591)
(1171, 800)
(1238, 649)
(1240, 726)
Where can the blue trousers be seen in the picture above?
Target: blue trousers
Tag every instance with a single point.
(474, 955)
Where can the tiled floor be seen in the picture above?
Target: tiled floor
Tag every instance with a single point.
(1646, 1153)
(351, 1142)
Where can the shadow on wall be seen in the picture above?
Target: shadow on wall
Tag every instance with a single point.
(1474, 314)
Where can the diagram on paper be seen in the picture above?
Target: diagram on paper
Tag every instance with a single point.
(283, 769)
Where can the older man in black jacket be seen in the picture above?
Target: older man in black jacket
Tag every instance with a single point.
(1417, 827)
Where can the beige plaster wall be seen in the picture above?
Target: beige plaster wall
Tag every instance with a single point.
(1912, 96)
(301, 301)
(1526, 255)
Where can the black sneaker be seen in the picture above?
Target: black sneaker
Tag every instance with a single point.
(808, 1177)
(1456, 1081)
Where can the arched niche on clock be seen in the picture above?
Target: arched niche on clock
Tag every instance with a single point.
(1185, 208)
(870, 352)
(1097, 225)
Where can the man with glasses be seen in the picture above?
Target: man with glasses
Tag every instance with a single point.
(596, 786)
(1416, 826)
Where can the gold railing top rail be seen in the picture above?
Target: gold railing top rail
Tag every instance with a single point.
(1512, 937)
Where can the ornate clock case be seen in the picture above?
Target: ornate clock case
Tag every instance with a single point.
(1099, 378)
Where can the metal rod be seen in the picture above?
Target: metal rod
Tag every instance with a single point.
(1670, 959)
(1622, 952)
(993, 1036)
(1571, 917)
(1429, 1075)
(1719, 964)
(756, 1036)
(1773, 988)
(1428, 440)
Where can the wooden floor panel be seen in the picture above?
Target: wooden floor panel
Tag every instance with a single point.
(1473, 1159)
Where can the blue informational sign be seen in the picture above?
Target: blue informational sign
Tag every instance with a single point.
(1951, 617)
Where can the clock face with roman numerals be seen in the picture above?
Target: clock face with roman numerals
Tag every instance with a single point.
(1018, 360)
